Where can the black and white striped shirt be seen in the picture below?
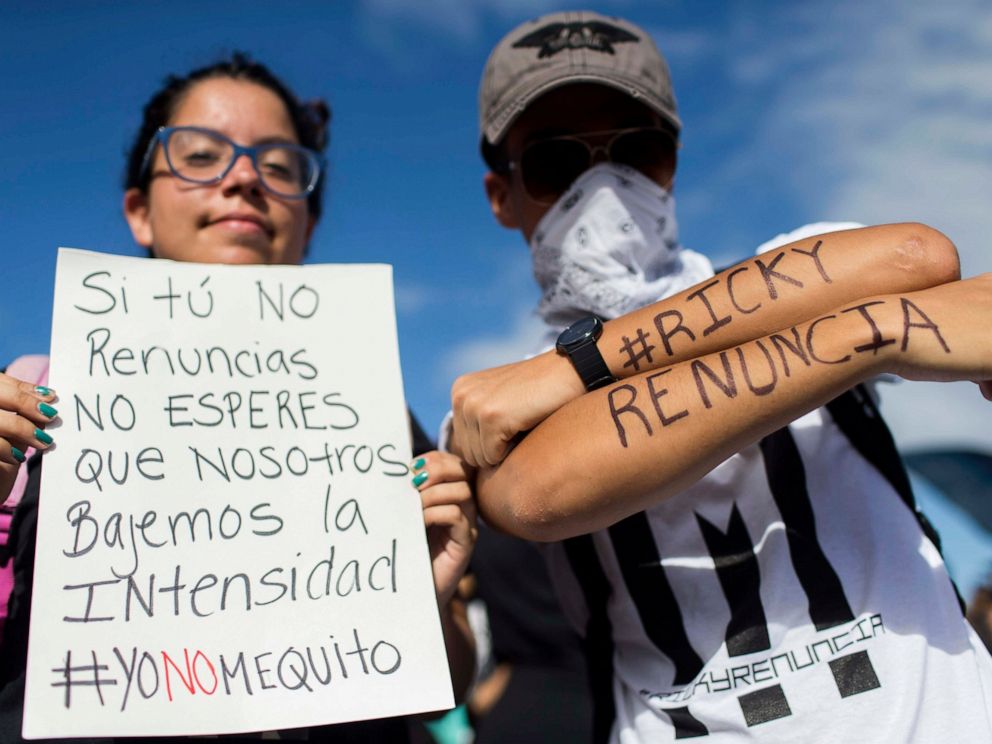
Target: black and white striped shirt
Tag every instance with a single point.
(789, 596)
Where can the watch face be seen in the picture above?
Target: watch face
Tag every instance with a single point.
(581, 330)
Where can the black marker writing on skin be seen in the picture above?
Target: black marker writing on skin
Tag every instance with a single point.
(634, 357)
(927, 324)
(772, 372)
(877, 342)
(710, 377)
(671, 323)
(769, 274)
(815, 255)
(733, 298)
(727, 385)
(717, 321)
(667, 333)
(795, 347)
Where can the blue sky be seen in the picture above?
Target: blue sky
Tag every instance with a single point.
(873, 111)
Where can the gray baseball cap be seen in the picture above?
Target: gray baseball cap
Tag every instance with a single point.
(571, 47)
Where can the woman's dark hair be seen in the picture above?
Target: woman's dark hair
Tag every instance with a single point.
(310, 119)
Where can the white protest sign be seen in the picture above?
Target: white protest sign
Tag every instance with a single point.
(228, 538)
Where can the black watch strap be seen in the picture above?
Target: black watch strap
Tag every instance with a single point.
(578, 341)
(591, 367)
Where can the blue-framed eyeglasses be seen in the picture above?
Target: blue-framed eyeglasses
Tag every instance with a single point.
(201, 155)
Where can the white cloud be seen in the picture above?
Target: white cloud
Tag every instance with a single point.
(492, 351)
(458, 19)
(411, 298)
(884, 120)
(509, 294)
(461, 21)
(882, 114)
(683, 46)
(506, 280)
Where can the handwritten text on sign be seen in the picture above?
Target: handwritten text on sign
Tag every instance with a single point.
(228, 538)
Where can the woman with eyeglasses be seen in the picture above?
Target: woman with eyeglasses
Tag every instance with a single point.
(226, 168)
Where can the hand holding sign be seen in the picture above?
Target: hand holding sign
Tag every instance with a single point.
(25, 411)
(450, 516)
(227, 534)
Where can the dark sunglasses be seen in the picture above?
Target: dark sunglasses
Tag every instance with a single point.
(549, 166)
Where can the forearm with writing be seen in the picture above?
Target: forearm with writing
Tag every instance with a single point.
(618, 450)
(757, 297)
(778, 289)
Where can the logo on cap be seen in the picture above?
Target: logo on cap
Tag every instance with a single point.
(594, 35)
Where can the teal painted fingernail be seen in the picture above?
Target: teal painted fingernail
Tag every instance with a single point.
(18, 455)
(419, 463)
(43, 437)
(42, 390)
(419, 479)
(48, 410)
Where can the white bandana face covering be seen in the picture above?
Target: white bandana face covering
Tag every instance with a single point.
(610, 245)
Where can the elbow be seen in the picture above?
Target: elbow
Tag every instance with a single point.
(528, 508)
(928, 254)
(538, 521)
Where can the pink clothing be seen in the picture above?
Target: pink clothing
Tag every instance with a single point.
(33, 368)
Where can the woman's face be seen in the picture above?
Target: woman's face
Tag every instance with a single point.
(235, 221)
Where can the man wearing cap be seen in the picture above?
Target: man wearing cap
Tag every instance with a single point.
(732, 579)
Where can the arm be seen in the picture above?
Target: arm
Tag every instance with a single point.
(618, 450)
(771, 291)
(450, 517)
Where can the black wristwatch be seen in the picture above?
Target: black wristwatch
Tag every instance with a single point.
(578, 341)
